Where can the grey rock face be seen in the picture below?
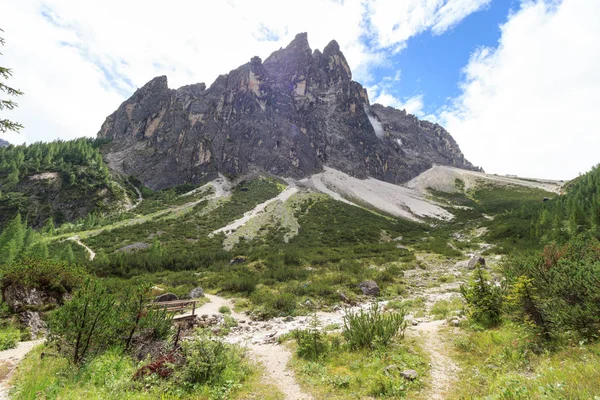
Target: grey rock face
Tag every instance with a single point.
(4, 143)
(369, 288)
(475, 261)
(196, 293)
(34, 322)
(20, 298)
(166, 297)
(290, 115)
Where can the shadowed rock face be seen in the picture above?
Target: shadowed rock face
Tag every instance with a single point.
(4, 143)
(289, 116)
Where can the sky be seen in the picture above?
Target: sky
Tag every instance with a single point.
(515, 82)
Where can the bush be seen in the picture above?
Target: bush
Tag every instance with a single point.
(484, 299)
(9, 337)
(95, 320)
(224, 310)
(311, 342)
(211, 361)
(558, 291)
(42, 274)
(372, 328)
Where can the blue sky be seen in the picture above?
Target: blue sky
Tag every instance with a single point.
(431, 64)
(516, 82)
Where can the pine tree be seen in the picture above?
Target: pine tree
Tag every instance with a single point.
(5, 73)
(12, 240)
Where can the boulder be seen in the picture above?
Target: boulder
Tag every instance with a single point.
(20, 298)
(237, 260)
(409, 374)
(196, 293)
(34, 322)
(166, 297)
(474, 261)
(369, 288)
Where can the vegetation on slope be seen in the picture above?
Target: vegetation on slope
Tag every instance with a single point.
(58, 181)
(534, 309)
(533, 334)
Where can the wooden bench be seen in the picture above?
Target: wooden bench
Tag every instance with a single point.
(175, 305)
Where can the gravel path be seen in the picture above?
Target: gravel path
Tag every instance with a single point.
(272, 356)
(444, 371)
(11, 359)
(91, 252)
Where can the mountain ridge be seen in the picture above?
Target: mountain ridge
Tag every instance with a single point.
(290, 115)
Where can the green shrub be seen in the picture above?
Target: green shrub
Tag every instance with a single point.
(9, 337)
(95, 320)
(210, 361)
(484, 299)
(312, 344)
(372, 328)
(224, 310)
(42, 274)
(558, 291)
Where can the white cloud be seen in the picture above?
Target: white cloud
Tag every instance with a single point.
(453, 12)
(76, 61)
(530, 106)
(412, 105)
(393, 22)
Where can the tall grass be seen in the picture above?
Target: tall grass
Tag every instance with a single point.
(372, 328)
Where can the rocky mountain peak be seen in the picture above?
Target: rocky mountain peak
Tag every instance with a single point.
(4, 143)
(290, 115)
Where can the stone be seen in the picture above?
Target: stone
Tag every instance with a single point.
(344, 298)
(237, 260)
(369, 288)
(289, 318)
(474, 261)
(306, 100)
(409, 374)
(19, 297)
(34, 322)
(166, 297)
(196, 293)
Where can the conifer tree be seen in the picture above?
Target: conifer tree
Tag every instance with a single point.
(7, 104)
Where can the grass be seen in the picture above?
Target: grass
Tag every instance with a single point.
(224, 310)
(110, 377)
(9, 337)
(415, 305)
(443, 309)
(509, 363)
(346, 373)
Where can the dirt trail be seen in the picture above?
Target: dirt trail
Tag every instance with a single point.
(221, 187)
(10, 359)
(444, 370)
(273, 356)
(91, 252)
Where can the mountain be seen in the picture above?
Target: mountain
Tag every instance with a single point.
(291, 115)
(4, 143)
